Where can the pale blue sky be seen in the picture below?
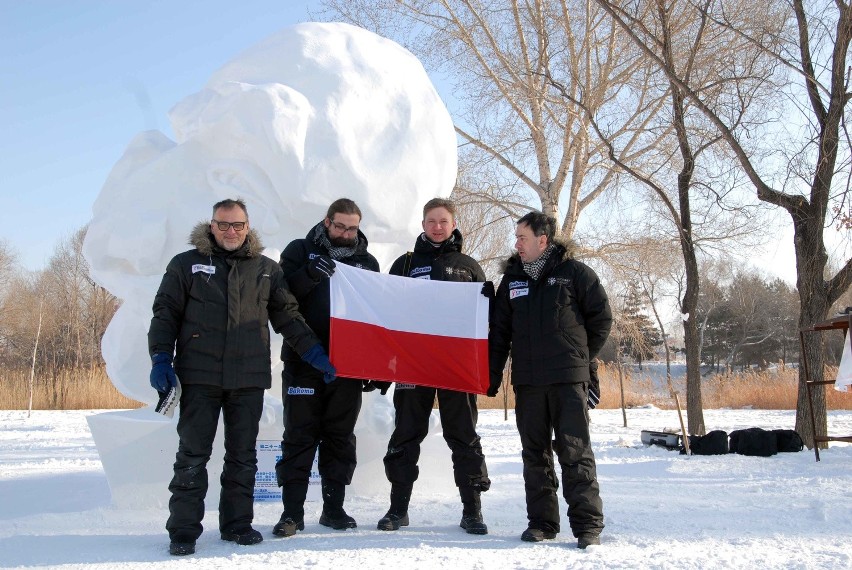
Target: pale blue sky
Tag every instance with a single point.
(80, 78)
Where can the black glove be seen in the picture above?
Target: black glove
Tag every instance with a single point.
(321, 267)
(316, 357)
(488, 290)
(163, 376)
(494, 386)
(370, 385)
(593, 398)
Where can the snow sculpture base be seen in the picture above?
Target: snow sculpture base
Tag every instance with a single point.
(137, 449)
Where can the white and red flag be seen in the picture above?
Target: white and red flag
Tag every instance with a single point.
(415, 331)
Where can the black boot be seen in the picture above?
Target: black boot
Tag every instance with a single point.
(333, 515)
(293, 518)
(397, 515)
(471, 520)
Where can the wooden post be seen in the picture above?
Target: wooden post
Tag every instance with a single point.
(679, 415)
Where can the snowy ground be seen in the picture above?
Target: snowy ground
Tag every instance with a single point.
(662, 510)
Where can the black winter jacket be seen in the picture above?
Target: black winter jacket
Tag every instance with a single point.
(553, 325)
(313, 295)
(216, 306)
(443, 263)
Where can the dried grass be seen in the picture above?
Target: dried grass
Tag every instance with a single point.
(765, 390)
(776, 390)
(86, 389)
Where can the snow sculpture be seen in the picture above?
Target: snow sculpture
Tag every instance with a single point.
(315, 112)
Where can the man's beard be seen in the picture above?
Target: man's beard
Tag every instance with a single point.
(341, 241)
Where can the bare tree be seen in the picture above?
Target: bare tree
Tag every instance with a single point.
(74, 314)
(701, 58)
(529, 145)
(811, 44)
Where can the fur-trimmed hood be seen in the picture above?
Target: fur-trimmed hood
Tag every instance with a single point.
(565, 250)
(201, 239)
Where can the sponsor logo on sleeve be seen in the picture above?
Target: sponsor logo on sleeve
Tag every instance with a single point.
(299, 391)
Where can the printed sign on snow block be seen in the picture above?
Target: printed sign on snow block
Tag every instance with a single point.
(266, 484)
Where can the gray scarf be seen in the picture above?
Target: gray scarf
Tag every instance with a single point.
(335, 252)
(534, 268)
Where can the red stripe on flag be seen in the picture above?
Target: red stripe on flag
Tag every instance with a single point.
(362, 350)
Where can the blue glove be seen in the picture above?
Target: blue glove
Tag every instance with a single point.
(316, 357)
(162, 373)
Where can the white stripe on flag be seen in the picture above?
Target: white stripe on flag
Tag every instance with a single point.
(403, 304)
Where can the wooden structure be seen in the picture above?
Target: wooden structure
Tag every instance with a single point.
(843, 324)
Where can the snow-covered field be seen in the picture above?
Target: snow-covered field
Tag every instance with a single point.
(663, 510)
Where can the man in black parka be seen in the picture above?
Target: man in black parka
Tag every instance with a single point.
(437, 255)
(214, 306)
(319, 413)
(552, 313)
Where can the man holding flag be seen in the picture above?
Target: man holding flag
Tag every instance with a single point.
(319, 412)
(552, 313)
(437, 256)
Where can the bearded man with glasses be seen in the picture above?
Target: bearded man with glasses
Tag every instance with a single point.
(210, 329)
(318, 412)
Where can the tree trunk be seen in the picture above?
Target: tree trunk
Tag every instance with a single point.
(694, 406)
(814, 303)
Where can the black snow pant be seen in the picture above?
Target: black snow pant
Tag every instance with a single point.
(317, 415)
(199, 417)
(554, 418)
(413, 406)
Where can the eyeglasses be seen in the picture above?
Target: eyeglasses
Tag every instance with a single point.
(343, 229)
(223, 226)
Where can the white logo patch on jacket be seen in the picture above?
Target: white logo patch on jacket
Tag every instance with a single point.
(297, 391)
(421, 272)
(200, 267)
(518, 289)
(559, 281)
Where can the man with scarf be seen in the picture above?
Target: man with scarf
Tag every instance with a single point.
(437, 255)
(552, 313)
(318, 411)
(214, 305)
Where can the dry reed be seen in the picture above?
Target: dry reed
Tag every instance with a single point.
(765, 390)
(85, 389)
(770, 390)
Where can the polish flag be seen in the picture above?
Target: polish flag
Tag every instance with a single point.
(414, 331)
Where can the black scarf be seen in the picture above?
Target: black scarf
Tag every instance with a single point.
(335, 252)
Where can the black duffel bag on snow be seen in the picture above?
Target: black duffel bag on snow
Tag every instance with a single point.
(714, 443)
(754, 441)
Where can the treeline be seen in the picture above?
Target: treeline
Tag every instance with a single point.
(52, 321)
(745, 320)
